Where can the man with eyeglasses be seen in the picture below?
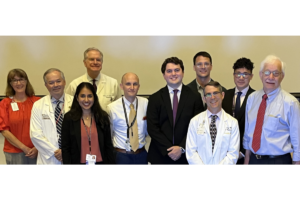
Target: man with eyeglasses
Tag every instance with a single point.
(213, 136)
(107, 88)
(202, 66)
(272, 125)
(235, 99)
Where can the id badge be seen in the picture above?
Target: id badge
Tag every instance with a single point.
(14, 106)
(90, 159)
(127, 145)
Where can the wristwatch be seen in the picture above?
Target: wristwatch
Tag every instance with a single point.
(182, 150)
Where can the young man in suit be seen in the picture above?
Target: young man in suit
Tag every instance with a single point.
(168, 116)
(213, 135)
(202, 66)
(235, 99)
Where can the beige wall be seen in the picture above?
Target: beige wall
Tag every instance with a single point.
(144, 56)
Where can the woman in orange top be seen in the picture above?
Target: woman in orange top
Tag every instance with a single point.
(15, 112)
(86, 130)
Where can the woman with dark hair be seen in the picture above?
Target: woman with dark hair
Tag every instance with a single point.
(15, 112)
(86, 130)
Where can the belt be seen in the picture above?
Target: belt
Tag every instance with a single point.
(130, 152)
(264, 157)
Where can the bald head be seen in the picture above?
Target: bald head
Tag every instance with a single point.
(130, 85)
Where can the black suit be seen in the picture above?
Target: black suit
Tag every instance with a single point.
(160, 123)
(71, 141)
(227, 107)
(194, 87)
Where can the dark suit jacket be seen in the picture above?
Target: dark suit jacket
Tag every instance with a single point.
(160, 123)
(71, 141)
(227, 107)
(194, 87)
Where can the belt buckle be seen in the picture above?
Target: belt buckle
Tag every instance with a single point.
(258, 156)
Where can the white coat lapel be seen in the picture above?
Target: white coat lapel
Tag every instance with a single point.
(207, 130)
(220, 131)
(49, 110)
(102, 83)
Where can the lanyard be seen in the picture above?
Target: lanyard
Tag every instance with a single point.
(128, 127)
(89, 135)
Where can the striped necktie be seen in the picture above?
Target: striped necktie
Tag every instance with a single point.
(213, 130)
(58, 119)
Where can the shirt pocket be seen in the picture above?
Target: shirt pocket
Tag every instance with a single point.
(271, 124)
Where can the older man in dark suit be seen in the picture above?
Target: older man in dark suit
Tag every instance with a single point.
(235, 100)
(168, 116)
(202, 66)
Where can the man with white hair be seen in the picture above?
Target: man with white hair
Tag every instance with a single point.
(272, 125)
(107, 88)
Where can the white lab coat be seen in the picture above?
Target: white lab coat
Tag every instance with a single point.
(199, 145)
(108, 89)
(43, 132)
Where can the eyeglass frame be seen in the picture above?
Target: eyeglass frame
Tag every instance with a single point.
(273, 72)
(15, 81)
(212, 94)
(245, 75)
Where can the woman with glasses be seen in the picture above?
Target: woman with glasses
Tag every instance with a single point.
(86, 136)
(15, 112)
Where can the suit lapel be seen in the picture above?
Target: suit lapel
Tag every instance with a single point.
(77, 128)
(230, 98)
(243, 107)
(195, 89)
(167, 102)
(183, 97)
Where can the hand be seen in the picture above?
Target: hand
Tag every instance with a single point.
(175, 152)
(26, 149)
(58, 155)
(32, 153)
(296, 162)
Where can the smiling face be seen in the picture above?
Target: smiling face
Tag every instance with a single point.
(214, 103)
(55, 84)
(85, 99)
(93, 62)
(173, 75)
(202, 67)
(241, 82)
(130, 85)
(271, 83)
(18, 84)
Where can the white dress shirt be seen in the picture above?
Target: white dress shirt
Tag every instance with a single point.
(118, 121)
(281, 128)
(171, 92)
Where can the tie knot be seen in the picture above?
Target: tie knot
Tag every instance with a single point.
(131, 106)
(175, 91)
(265, 96)
(214, 117)
(239, 94)
(58, 102)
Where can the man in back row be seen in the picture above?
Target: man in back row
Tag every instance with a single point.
(106, 87)
(202, 66)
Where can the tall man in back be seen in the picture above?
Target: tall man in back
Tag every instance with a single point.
(107, 88)
(272, 119)
(235, 100)
(168, 115)
(202, 66)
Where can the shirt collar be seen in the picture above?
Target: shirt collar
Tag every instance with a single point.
(218, 114)
(273, 94)
(127, 103)
(244, 91)
(171, 89)
(90, 79)
(61, 99)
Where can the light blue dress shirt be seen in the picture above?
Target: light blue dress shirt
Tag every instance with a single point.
(281, 126)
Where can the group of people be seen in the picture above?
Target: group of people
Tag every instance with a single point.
(199, 123)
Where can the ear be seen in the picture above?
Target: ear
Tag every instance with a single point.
(121, 86)
(223, 95)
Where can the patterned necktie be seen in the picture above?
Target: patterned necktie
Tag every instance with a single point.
(213, 130)
(237, 104)
(134, 139)
(58, 119)
(94, 84)
(259, 123)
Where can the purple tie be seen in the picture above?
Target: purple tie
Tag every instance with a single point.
(175, 105)
(95, 86)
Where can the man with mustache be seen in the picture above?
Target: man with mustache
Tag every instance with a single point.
(272, 119)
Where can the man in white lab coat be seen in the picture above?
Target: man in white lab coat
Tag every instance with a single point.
(44, 125)
(213, 136)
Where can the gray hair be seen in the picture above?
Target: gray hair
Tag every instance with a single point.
(271, 59)
(215, 84)
(91, 49)
(53, 70)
